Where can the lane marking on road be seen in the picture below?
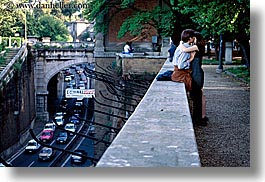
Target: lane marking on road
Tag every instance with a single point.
(31, 163)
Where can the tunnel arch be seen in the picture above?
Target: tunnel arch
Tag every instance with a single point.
(56, 66)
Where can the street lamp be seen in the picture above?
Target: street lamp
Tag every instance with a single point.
(220, 66)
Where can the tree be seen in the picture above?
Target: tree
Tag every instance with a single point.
(162, 18)
(53, 27)
(69, 9)
(9, 15)
(228, 18)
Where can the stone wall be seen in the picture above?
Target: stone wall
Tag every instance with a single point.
(159, 133)
(140, 66)
(143, 65)
(17, 109)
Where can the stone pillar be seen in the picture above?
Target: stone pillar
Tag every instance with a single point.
(41, 90)
(60, 85)
(228, 52)
(9, 42)
(99, 45)
(165, 46)
(41, 104)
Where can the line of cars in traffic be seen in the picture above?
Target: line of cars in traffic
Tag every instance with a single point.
(68, 123)
(48, 134)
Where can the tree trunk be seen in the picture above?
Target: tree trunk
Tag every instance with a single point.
(245, 57)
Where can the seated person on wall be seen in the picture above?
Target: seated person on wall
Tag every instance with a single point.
(128, 49)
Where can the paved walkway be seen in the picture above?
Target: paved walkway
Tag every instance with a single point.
(225, 142)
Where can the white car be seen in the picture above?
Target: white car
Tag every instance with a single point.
(81, 86)
(59, 120)
(59, 114)
(68, 78)
(50, 126)
(70, 127)
(32, 146)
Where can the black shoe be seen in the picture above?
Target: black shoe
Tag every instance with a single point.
(202, 122)
(205, 119)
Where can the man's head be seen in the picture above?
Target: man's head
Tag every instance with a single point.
(188, 35)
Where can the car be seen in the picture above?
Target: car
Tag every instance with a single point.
(77, 110)
(62, 138)
(46, 135)
(77, 69)
(77, 158)
(74, 119)
(73, 66)
(68, 71)
(72, 76)
(80, 71)
(81, 86)
(83, 79)
(70, 127)
(32, 146)
(46, 154)
(73, 83)
(81, 82)
(68, 78)
(79, 103)
(70, 86)
(50, 126)
(59, 120)
(60, 113)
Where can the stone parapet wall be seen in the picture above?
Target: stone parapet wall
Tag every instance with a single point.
(159, 133)
(140, 65)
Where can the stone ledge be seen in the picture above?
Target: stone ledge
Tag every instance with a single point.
(159, 133)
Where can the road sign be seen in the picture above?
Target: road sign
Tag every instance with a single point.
(79, 93)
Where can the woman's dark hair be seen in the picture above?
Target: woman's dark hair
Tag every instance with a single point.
(187, 34)
(200, 41)
(200, 44)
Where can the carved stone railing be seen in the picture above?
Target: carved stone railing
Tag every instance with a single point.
(8, 72)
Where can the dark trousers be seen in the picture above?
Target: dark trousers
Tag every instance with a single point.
(197, 75)
(196, 96)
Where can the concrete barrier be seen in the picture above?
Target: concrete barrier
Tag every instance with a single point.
(159, 133)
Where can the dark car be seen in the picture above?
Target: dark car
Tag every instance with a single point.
(74, 119)
(77, 158)
(62, 137)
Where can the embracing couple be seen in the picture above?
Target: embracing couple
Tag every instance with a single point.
(187, 61)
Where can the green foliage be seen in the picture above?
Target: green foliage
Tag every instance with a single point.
(215, 17)
(240, 72)
(68, 10)
(97, 10)
(9, 15)
(160, 18)
(2, 46)
(17, 66)
(127, 3)
(53, 27)
(210, 17)
(2, 60)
